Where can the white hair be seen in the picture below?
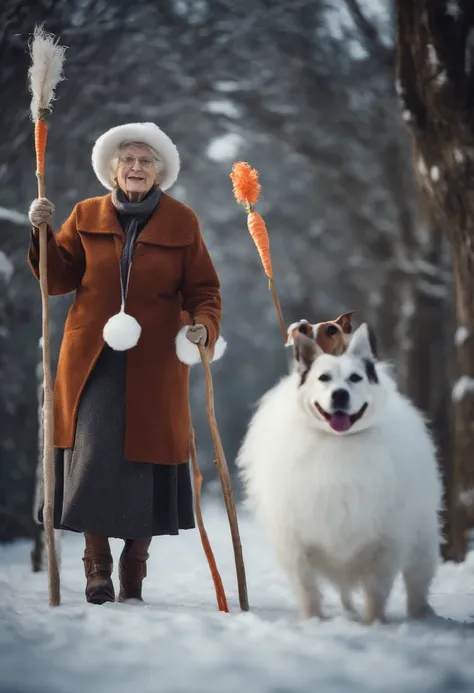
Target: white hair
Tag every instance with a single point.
(159, 164)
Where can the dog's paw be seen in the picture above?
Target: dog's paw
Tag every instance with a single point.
(313, 614)
(421, 612)
(349, 609)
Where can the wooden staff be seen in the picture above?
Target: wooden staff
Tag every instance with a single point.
(225, 483)
(216, 578)
(47, 59)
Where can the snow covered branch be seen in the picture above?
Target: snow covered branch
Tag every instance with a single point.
(369, 33)
(463, 387)
(13, 216)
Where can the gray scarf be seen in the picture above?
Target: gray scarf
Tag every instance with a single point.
(135, 213)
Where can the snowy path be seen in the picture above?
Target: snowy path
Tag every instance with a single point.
(180, 643)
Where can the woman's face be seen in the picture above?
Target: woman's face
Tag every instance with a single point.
(137, 170)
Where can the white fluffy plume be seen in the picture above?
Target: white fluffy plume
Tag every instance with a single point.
(47, 59)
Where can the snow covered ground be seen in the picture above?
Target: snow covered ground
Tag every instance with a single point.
(178, 642)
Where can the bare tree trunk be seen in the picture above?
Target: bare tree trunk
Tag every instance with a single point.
(463, 397)
(431, 347)
(435, 69)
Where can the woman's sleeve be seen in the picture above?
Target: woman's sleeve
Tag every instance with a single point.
(66, 260)
(201, 286)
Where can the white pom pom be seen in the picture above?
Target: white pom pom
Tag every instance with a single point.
(188, 352)
(219, 348)
(122, 331)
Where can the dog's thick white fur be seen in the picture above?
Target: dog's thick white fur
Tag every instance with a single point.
(347, 486)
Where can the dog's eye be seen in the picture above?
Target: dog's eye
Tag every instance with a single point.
(331, 330)
(324, 377)
(355, 378)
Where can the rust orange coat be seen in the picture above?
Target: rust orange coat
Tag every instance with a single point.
(171, 276)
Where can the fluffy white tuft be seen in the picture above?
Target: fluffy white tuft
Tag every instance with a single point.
(122, 331)
(106, 146)
(219, 348)
(47, 59)
(188, 352)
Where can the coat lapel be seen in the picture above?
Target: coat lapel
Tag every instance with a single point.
(98, 216)
(162, 229)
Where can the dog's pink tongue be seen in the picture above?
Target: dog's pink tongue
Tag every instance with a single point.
(340, 422)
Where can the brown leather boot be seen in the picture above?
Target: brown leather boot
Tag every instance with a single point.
(132, 568)
(98, 566)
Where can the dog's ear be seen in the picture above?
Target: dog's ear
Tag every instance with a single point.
(305, 350)
(345, 321)
(303, 327)
(363, 343)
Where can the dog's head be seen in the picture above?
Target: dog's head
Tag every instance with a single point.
(341, 393)
(331, 336)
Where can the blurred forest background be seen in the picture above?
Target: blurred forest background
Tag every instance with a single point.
(302, 90)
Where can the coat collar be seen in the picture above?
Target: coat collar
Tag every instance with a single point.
(164, 228)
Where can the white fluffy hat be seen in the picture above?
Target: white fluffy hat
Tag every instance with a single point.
(106, 146)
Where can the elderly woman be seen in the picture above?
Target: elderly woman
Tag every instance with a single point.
(141, 272)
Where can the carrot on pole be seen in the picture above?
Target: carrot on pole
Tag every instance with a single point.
(47, 59)
(246, 188)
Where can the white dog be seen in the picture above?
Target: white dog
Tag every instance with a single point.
(341, 470)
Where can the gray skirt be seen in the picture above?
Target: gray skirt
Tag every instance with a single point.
(96, 489)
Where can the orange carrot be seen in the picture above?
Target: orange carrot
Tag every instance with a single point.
(41, 135)
(247, 191)
(259, 233)
(245, 183)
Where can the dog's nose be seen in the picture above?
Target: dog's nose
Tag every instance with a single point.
(340, 399)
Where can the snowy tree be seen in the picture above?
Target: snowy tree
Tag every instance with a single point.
(435, 73)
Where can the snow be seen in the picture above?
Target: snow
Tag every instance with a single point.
(453, 9)
(461, 334)
(227, 86)
(13, 216)
(462, 387)
(434, 173)
(433, 290)
(6, 267)
(407, 115)
(225, 148)
(340, 25)
(422, 166)
(458, 156)
(223, 107)
(179, 642)
(432, 56)
(467, 498)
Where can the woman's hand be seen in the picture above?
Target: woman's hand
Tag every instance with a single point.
(40, 212)
(197, 334)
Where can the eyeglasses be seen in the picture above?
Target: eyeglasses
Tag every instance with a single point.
(143, 161)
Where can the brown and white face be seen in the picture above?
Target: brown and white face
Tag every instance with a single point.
(332, 336)
(138, 169)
